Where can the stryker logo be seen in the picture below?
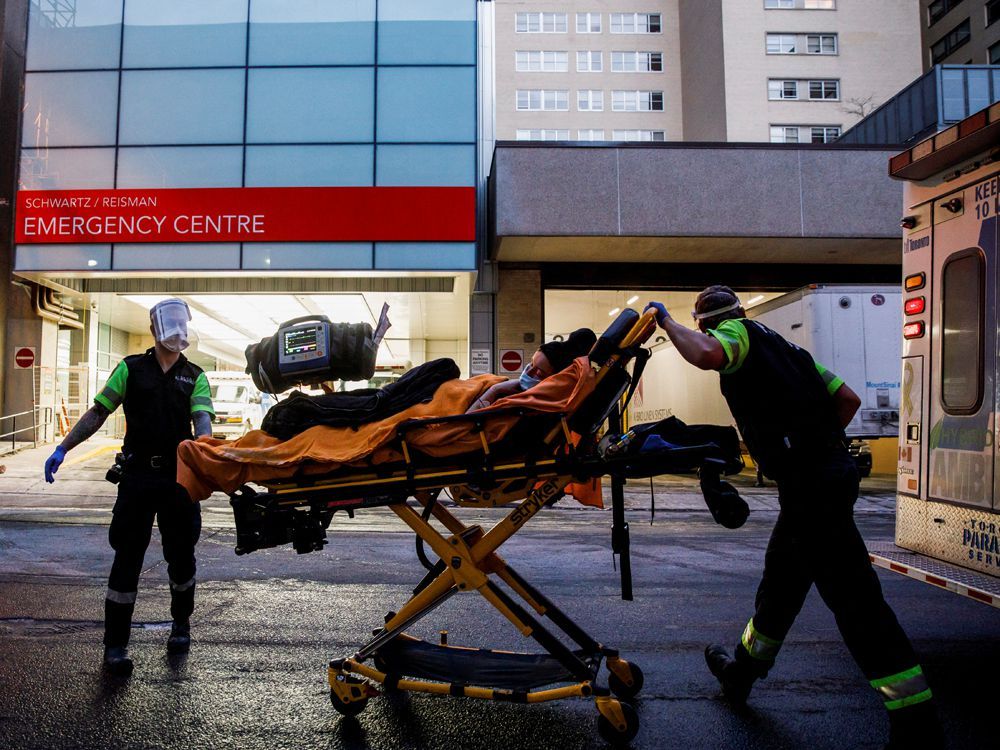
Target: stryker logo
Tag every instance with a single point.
(983, 543)
(916, 244)
(534, 502)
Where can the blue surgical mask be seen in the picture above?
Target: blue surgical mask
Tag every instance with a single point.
(526, 380)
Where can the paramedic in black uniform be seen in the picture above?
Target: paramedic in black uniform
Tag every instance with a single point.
(792, 413)
(162, 394)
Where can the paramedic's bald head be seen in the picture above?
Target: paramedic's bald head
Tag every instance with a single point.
(716, 304)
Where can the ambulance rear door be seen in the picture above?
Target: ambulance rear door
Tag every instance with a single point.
(962, 452)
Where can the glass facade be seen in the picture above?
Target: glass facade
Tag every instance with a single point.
(251, 93)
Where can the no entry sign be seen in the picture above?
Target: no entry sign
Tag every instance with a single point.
(24, 357)
(511, 361)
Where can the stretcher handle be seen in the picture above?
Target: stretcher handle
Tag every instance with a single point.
(476, 417)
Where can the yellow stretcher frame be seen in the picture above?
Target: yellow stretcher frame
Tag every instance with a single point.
(469, 561)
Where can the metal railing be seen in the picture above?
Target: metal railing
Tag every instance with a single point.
(39, 415)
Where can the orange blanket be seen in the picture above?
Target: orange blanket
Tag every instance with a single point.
(207, 465)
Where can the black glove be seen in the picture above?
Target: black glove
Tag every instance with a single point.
(724, 502)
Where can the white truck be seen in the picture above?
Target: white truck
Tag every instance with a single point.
(853, 330)
(948, 490)
(237, 403)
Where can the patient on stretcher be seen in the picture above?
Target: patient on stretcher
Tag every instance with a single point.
(547, 360)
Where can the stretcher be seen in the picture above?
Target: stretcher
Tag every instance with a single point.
(530, 468)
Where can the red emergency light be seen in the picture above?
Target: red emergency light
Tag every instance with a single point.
(913, 330)
(914, 306)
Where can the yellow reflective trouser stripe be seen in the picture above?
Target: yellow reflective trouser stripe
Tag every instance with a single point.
(904, 688)
(759, 646)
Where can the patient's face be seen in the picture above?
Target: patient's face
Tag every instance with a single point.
(540, 366)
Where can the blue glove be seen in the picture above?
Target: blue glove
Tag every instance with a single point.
(661, 311)
(53, 463)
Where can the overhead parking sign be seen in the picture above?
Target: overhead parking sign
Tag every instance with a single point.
(24, 357)
(511, 361)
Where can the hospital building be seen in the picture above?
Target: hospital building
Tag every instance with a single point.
(266, 160)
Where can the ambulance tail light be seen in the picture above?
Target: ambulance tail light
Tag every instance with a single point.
(915, 281)
(913, 330)
(914, 306)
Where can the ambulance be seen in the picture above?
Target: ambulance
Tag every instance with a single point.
(948, 485)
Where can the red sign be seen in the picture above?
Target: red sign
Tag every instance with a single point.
(290, 214)
(510, 360)
(24, 357)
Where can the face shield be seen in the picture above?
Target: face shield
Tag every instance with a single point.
(170, 319)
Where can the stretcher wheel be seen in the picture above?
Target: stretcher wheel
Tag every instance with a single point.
(619, 735)
(622, 690)
(359, 698)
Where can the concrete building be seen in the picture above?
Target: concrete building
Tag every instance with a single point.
(698, 70)
(960, 32)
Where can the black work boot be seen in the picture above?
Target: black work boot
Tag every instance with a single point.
(117, 661)
(179, 641)
(735, 677)
(915, 727)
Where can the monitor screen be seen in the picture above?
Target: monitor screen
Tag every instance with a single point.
(301, 340)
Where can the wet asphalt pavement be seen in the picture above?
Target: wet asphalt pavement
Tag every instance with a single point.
(266, 624)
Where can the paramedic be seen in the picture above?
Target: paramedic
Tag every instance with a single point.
(792, 413)
(162, 394)
(547, 360)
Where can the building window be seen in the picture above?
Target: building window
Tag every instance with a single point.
(638, 135)
(537, 100)
(962, 332)
(778, 89)
(589, 61)
(636, 62)
(781, 44)
(992, 12)
(531, 61)
(824, 133)
(824, 89)
(590, 100)
(542, 135)
(784, 134)
(939, 9)
(637, 101)
(950, 42)
(993, 54)
(590, 135)
(635, 23)
(588, 23)
(821, 44)
(800, 4)
(541, 23)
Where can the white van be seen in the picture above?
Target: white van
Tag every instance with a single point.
(237, 404)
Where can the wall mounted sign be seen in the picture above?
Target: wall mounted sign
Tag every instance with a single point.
(268, 214)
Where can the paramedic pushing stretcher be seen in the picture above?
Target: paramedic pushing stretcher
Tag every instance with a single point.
(792, 413)
(162, 394)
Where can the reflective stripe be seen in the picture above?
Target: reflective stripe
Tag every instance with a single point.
(121, 597)
(759, 646)
(201, 401)
(111, 396)
(904, 688)
(181, 586)
(830, 380)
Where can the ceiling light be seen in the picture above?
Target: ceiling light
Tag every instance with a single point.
(755, 300)
(614, 312)
(631, 299)
(91, 262)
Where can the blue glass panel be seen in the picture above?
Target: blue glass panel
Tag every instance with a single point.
(62, 258)
(312, 32)
(184, 33)
(69, 109)
(84, 35)
(953, 95)
(307, 255)
(979, 90)
(180, 167)
(427, 104)
(427, 256)
(193, 256)
(303, 105)
(426, 165)
(182, 106)
(67, 169)
(429, 31)
(309, 166)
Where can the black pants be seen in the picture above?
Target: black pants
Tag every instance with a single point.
(816, 541)
(141, 498)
